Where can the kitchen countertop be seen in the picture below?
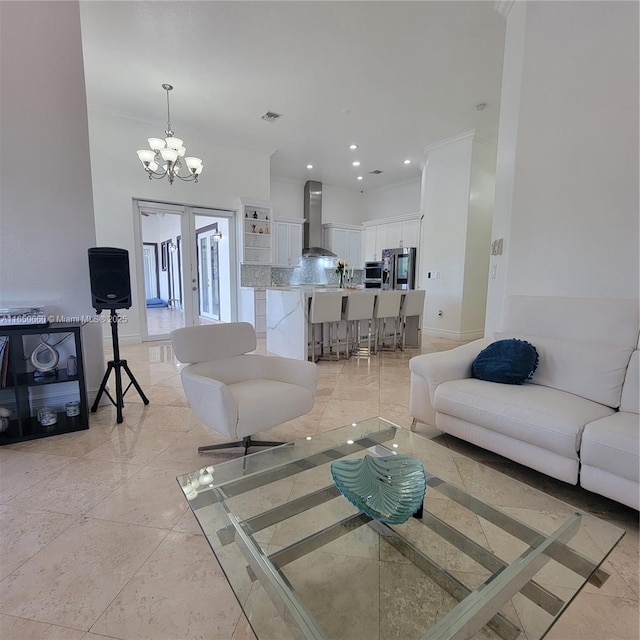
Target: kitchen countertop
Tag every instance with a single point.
(310, 287)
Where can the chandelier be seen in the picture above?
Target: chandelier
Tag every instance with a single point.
(165, 157)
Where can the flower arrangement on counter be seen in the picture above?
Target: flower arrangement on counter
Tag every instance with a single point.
(341, 267)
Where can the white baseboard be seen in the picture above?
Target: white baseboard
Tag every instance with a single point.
(460, 336)
(135, 338)
(91, 397)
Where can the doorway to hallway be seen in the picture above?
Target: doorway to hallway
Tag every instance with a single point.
(186, 266)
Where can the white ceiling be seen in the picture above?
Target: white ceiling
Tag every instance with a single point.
(394, 77)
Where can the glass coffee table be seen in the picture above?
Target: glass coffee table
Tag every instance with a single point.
(489, 557)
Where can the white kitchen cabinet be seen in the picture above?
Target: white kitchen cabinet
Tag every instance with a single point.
(288, 241)
(255, 231)
(344, 241)
(370, 244)
(410, 233)
(394, 235)
(381, 240)
(390, 233)
(353, 248)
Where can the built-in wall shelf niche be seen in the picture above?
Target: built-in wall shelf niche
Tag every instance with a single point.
(256, 224)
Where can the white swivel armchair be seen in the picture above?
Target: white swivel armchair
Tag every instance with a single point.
(238, 393)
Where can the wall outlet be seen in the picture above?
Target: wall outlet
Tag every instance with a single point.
(433, 275)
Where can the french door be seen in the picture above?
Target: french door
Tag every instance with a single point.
(196, 276)
(150, 257)
(209, 272)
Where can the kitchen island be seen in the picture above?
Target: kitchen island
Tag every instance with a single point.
(287, 322)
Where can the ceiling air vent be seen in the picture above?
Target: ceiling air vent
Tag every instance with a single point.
(271, 116)
(375, 172)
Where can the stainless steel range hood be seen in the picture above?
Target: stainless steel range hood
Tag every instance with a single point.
(312, 238)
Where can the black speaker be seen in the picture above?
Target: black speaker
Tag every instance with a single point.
(109, 275)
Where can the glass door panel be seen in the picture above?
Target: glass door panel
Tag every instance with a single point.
(208, 273)
(161, 230)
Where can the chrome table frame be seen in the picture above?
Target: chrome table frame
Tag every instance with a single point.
(477, 607)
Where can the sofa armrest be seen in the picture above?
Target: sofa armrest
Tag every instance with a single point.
(432, 369)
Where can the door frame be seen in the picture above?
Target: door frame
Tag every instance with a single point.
(206, 231)
(227, 245)
(188, 253)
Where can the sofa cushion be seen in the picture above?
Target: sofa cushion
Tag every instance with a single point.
(591, 370)
(612, 444)
(545, 417)
(510, 361)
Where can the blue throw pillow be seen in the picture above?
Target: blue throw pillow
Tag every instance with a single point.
(510, 361)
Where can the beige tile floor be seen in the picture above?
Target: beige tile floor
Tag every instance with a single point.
(97, 541)
(162, 321)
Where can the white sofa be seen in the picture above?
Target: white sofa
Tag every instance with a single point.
(576, 419)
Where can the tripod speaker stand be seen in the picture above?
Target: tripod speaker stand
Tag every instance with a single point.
(117, 365)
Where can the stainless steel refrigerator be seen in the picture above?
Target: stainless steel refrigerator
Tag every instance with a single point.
(399, 268)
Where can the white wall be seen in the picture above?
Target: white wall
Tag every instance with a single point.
(341, 206)
(287, 197)
(338, 205)
(445, 203)
(573, 166)
(476, 264)
(505, 162)
(118, 177)
(394, 200)
(46, 215)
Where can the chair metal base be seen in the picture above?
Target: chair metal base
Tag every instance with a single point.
(353, 344)
(380, 344)
(334, 355)
(246, 442)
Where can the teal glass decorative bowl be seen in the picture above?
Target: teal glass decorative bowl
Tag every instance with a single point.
(389, 489)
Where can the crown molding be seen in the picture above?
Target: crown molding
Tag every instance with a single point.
(395, 185)
(443, 143)
(400, 218)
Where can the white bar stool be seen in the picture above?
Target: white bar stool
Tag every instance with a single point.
(412, 305)
(360, 306)
(326, 307)
(387, 306)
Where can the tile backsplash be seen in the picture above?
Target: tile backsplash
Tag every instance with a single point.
(253, 275)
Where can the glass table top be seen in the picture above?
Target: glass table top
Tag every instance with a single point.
(489, 558)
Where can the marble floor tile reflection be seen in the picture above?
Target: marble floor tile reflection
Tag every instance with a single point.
(97, 541)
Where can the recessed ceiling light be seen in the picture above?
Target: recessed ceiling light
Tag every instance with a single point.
(356, 163)
(309, 166)
(360, 178)
(407, 161)
(353, 146)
